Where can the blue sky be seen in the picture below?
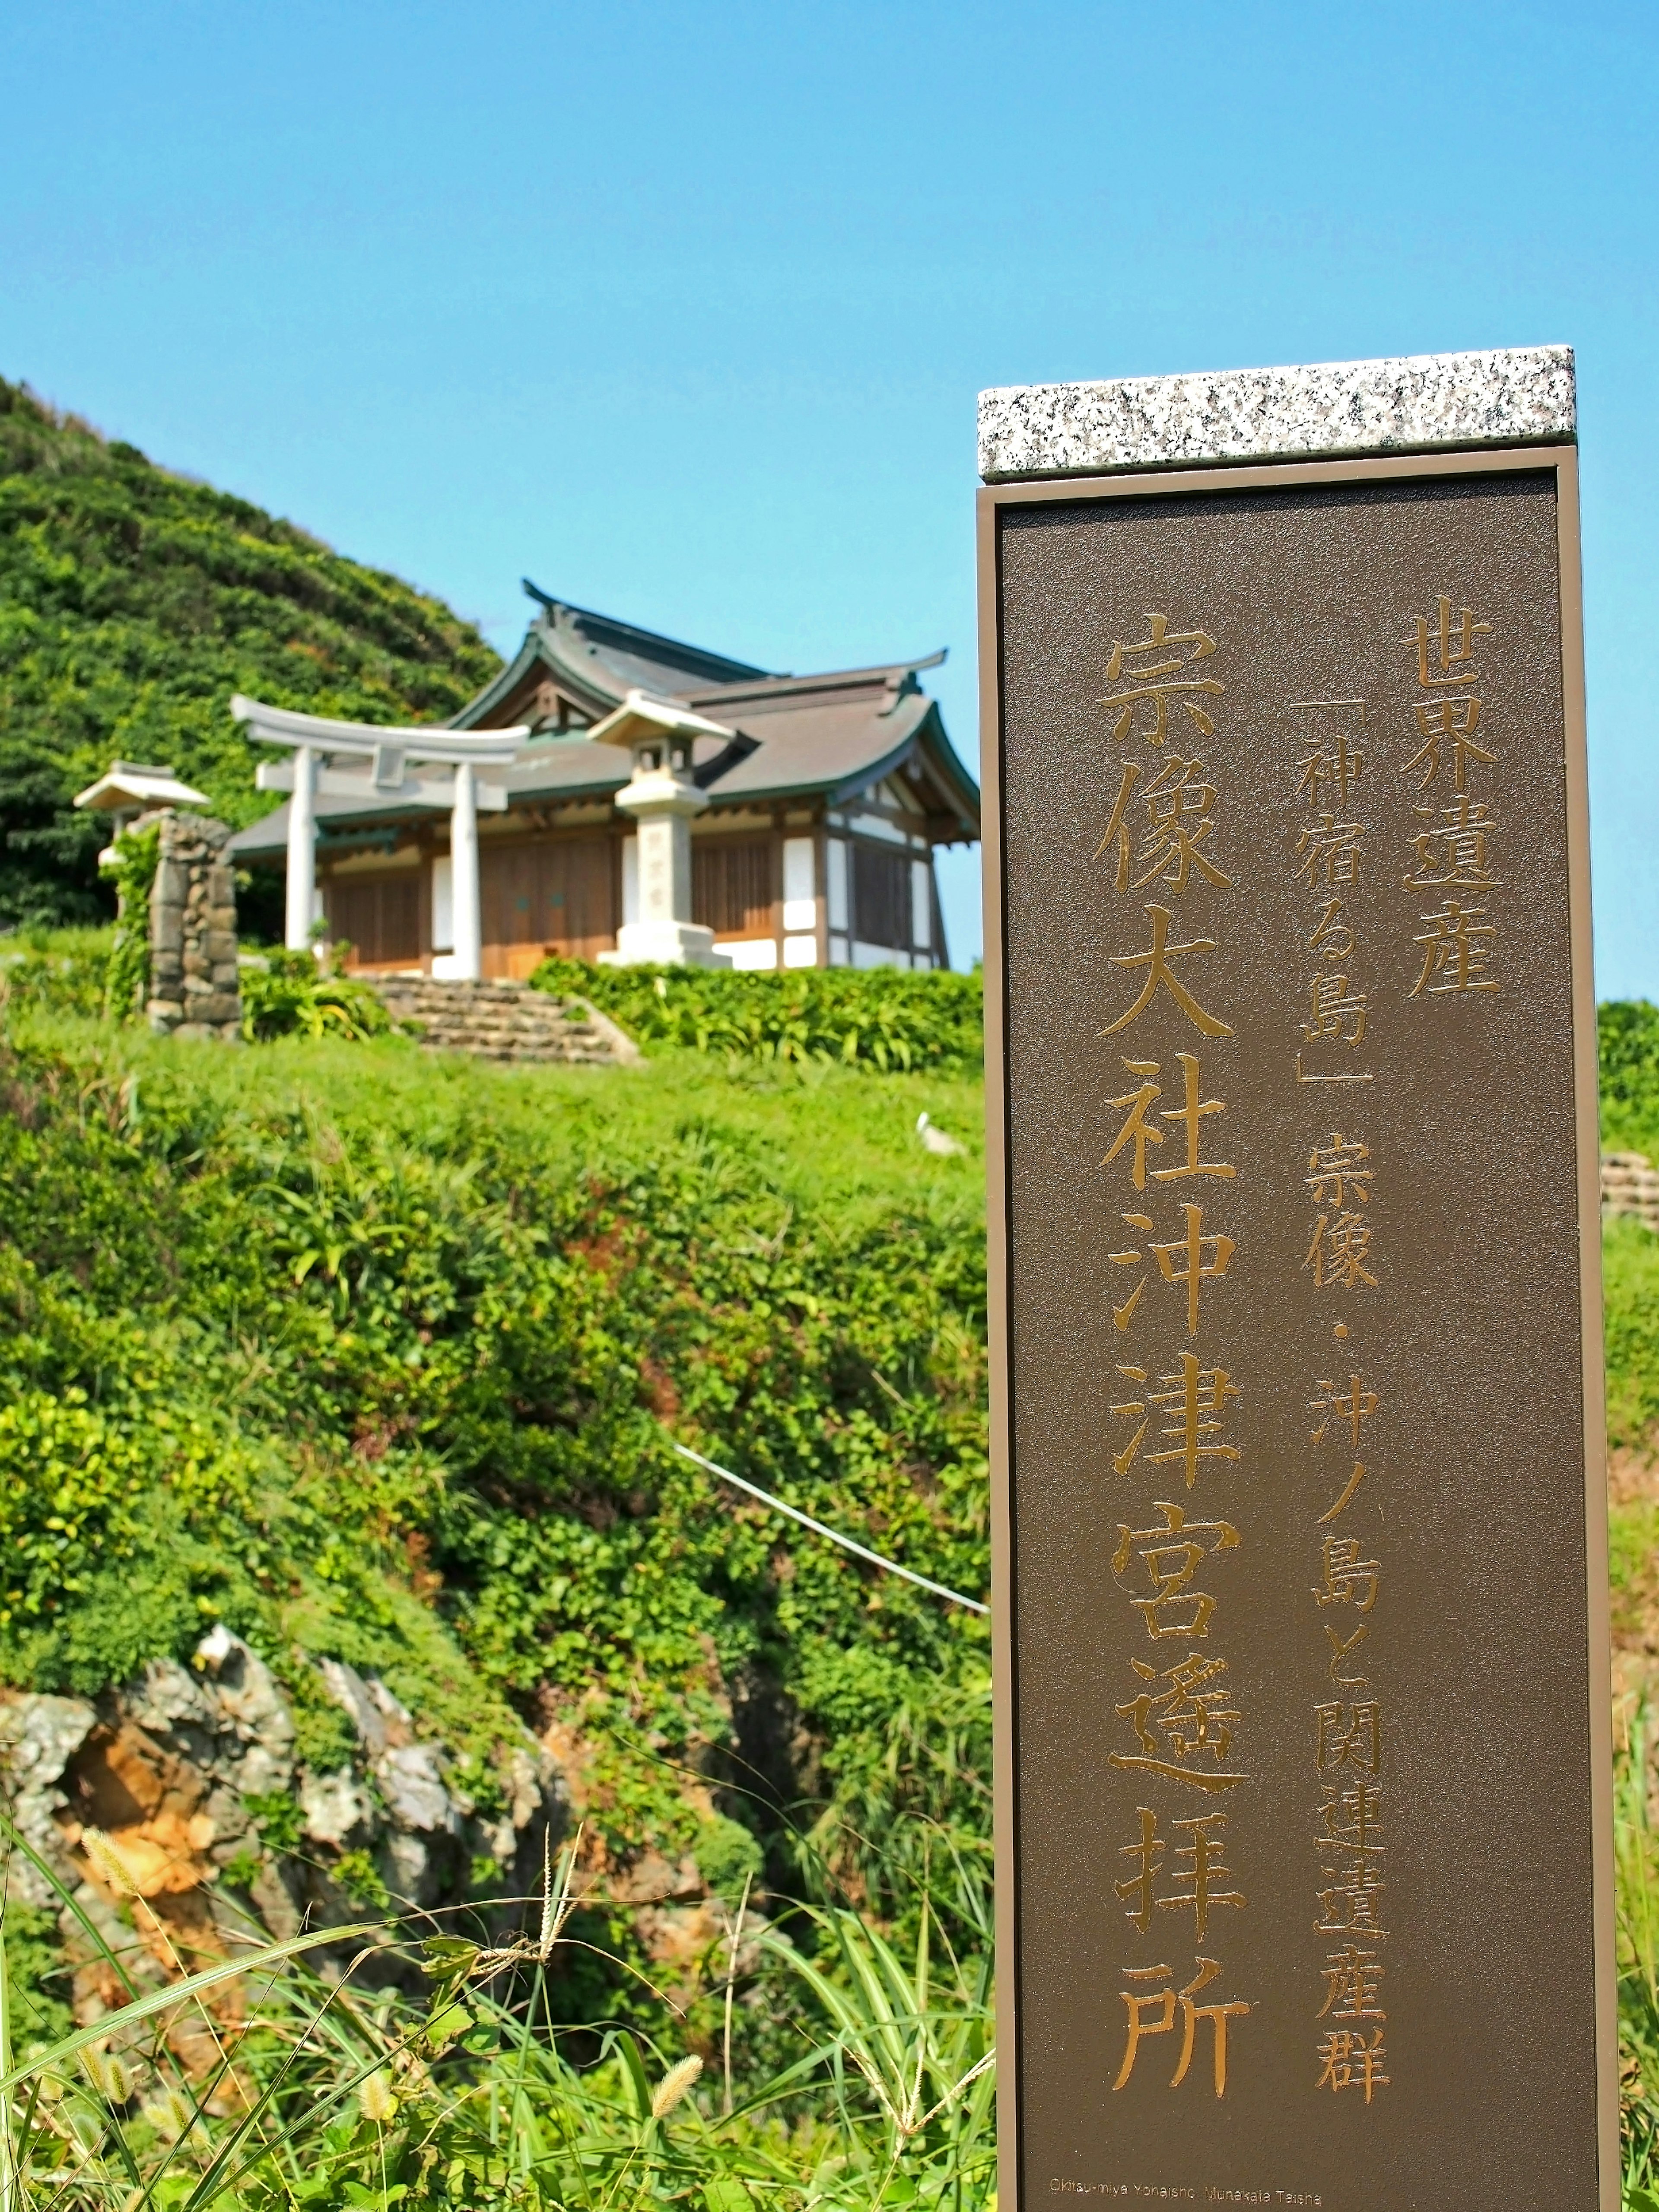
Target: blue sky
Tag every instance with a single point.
(682, 309)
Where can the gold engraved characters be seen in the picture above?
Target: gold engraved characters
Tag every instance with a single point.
(1330, 771)
(1165, 844)
(1351, 2062)
(1185, 1731)
(1448, 724)
(1328, 854)
(1189, 1261)
(1171, 1556)
(1138, 1132)
(1457, 944)
(1177, 803)
(1348, 1579)
(1352, 1406)
(1192, 1405)
(1156, 671)
(1326, 862)
(1453, 856)
(1152, 2012)
(1347, 1728)
(1453, 849)
(1448, 657)
(1349, 1407)
(1353, 2056)
(1338, 1179)
(1350, 1736)
(1159, 961)
(1195, 1873)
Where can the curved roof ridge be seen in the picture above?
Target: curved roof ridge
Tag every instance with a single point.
(651, 645)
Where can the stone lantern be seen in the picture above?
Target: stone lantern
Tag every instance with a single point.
(663, 798)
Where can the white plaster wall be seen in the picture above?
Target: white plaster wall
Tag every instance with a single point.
(800, 908)
(922, 903)
(750, 953)
(836, 851)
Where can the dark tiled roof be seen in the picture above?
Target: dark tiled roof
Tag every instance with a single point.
(598, 660)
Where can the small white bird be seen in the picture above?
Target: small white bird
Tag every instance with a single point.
(935, 1139)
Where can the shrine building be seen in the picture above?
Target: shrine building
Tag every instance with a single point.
(613, 794)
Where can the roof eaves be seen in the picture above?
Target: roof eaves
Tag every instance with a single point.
(896, 676)
(500, 686)
(930, 733)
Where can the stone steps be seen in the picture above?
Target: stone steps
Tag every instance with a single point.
(504, 1021)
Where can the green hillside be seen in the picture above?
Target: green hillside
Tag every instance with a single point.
(133, 603)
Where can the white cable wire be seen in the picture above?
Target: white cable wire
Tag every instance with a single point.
(891, 1566)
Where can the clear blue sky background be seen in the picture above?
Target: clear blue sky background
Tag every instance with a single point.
(682, 309)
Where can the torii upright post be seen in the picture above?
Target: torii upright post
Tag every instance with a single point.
(463, 876)
(302, 902)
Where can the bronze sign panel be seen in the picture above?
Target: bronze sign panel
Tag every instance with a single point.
(1304, 1834)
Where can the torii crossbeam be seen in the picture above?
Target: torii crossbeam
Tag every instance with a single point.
(378, 766)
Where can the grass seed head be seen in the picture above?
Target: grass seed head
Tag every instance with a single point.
(674, 2085)
(108, 1862)
(376, 2099)
(170, 2114)
(107, 2074)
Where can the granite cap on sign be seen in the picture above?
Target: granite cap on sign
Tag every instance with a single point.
(1423, 404)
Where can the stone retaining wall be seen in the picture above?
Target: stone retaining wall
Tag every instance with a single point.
(1629, 1185)
(195, 988)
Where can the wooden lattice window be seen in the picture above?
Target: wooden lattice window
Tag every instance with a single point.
(881, 896)
(733, 884)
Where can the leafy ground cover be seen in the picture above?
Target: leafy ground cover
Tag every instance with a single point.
(377, 1360)
(328, 2095)
(1629, 1040)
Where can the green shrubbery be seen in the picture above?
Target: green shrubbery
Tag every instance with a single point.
(137, 856)
(1627, 1032)
(57, 971)
(880, 1017)
(133, 603)
(289, 995)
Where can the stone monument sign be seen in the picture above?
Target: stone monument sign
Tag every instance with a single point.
(1304, 1843)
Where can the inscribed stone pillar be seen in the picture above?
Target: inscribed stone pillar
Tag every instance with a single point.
(1304, 1864)
(663, 798)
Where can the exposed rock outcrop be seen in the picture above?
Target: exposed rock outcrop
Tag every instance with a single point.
(184, 1769)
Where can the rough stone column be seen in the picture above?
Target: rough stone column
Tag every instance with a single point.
(195, 984)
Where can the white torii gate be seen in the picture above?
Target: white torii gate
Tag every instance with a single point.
(378, 773)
